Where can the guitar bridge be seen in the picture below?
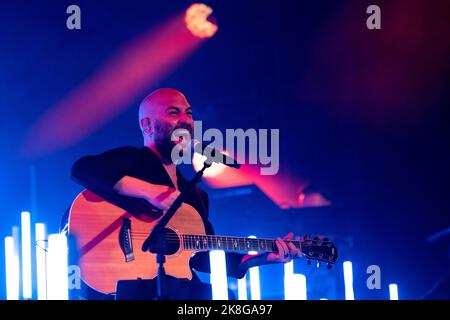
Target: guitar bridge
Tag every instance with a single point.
(125, 240)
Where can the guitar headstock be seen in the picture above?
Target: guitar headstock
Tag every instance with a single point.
(318, 249)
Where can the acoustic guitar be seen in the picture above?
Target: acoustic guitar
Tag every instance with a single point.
(109, 241)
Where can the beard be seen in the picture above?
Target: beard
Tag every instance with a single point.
(163, 138)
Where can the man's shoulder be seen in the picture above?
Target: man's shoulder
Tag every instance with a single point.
(125, 151)
(114, 155)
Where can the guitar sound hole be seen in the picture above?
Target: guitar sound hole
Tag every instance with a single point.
(172, 242)
(165, 242)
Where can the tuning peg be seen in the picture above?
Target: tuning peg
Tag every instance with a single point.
(329, 265)
(308, 262)
(318, 264)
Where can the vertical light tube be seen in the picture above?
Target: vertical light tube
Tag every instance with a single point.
(288, 272)
(218, 275)
(348, 280)
(12, 272)
(393, 291)
(16, 237)
(255, 288)
(26, 255)
(289, 288)
(41, 271)
(57, 269)
(294, 284)
(301, 283)
(289, 268)
(242, 288)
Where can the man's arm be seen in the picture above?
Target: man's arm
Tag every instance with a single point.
(99, 173)
(112, 173)
(286, 252)
(237, 264)
(160, 196)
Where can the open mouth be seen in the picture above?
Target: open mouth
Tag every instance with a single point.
(182, 134)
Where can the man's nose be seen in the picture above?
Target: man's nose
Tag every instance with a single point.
(185, 119)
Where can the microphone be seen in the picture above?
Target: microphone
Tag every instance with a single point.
(214, 155)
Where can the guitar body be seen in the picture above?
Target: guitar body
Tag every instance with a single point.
(96, 225)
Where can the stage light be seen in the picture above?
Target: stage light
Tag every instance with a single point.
(288, 273)
(16, 237)
(298, 287)
(213, 171)
(196, 19)
(294, 284)
(57, 269)
(255, 288)
(113, 87)
(12, 272)
(218, 275)
(301, 200)
(26, 255)
(393, 291)
(348, 280)
(242, 288)
(40, 261)
(288, 269)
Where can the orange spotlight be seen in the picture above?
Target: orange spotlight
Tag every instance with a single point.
(127, 75)
(301, 200)
(196, 19)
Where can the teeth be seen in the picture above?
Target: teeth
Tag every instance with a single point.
(183, 131)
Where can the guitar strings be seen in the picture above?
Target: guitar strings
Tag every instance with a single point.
(191, 246)
(224, 237)
(194, 244)
(230, 242)
(192, 237)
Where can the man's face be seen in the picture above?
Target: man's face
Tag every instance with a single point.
(169, 111)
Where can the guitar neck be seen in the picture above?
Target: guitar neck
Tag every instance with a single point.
(213, 242)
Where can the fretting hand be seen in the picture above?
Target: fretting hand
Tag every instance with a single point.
(286, 250)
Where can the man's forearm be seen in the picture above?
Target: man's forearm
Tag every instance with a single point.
(252, 260)
(158, 195)
(133, 187)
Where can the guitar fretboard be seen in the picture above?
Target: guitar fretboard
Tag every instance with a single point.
(212, 242)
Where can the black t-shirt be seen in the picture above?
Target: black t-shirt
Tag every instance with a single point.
(99, 173)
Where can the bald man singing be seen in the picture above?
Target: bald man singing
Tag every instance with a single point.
(145, 180)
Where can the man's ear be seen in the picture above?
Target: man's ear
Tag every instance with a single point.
(146, 126)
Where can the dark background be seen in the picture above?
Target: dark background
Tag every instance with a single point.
(363, 116)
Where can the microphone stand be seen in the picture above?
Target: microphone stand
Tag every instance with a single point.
(155, 241)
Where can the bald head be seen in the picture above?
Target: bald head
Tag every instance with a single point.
(160, 99)
(160, 113)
